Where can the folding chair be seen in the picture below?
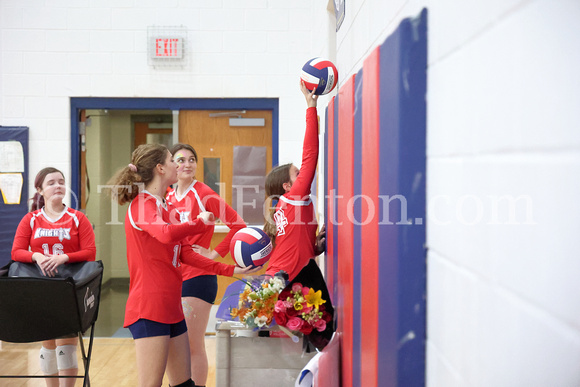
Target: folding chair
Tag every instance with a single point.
(36, 308)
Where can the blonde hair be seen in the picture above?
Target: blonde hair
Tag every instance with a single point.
(128, 182)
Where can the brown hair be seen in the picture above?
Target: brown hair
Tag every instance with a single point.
(127, 183)
(180, 146)
(37, 201)
(274, 189)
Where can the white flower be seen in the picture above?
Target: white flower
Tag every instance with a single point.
(277, 283)
(261, 321)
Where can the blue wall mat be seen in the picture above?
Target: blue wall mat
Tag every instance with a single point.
(403, 62)
(325, 192)
(11, 214)
(335, 292)
(357, 263)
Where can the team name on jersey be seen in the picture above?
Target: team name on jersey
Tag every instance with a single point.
(184, 216)
(281, 222)
(60, 233)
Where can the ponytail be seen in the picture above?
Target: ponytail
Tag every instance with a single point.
(126, 185)
(274, 186)
(270, 224)
(130, 180)
(37, 202)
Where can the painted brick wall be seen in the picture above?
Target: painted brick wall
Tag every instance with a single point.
(51, 51)
(503, 156)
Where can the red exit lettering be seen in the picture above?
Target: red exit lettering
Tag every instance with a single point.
(166, 47)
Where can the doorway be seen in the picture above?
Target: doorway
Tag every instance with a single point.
(96, 154)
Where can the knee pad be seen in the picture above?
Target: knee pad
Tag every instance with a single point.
(48, 364)
(66, 357)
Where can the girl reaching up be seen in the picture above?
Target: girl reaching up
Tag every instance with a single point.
(292, 223)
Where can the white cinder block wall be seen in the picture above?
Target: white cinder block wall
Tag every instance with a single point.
(54, 50)
(503, 147)
(502, 124)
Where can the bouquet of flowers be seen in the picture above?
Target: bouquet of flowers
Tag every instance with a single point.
(301, 309)
(257, 300)
(261, 302)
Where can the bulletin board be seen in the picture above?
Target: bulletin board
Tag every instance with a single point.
(13, 185)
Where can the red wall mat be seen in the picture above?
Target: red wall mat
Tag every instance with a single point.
(331, 210)
(370, 220)
(345, 165)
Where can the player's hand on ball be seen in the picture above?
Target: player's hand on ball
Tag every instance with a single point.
(247, 270)
(311, 98)
(206, 217)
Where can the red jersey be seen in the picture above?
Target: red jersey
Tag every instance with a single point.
(295, 216)
(71, 234)
(154, 254)
(199, 198)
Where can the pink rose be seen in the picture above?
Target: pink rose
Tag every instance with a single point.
(297, 287)
(305, 291)
(294, 323)
(280, 306)
(320, 325)
(306, 309)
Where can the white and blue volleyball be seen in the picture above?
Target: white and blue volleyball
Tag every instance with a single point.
(250, 246)
(320, 74)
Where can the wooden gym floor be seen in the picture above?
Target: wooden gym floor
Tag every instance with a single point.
(113, 358)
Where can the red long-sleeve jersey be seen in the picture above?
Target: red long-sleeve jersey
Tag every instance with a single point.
(71, 234)
(198, 198)
(295, 217)
(156, 246)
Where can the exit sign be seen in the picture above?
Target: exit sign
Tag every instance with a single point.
(167, 48)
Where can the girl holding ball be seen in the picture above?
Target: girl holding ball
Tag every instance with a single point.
(156, 247)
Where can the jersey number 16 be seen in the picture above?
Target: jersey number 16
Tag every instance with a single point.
(57, 249)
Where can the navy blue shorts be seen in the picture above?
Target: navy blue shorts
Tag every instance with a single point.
(147, 328)
(203, 287)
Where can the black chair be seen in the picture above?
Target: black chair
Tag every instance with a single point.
(36, 308)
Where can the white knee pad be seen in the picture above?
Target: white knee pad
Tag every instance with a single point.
(66, 357)
(48, 361)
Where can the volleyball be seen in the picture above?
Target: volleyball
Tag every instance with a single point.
(320, 74)
(250, 246)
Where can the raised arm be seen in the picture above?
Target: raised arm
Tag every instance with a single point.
(301, 186)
